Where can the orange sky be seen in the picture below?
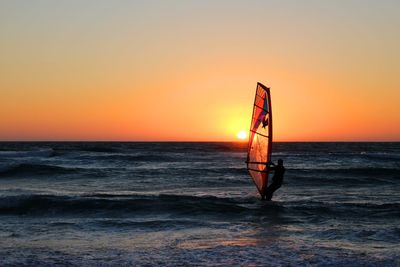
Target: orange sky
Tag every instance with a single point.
(187, 70)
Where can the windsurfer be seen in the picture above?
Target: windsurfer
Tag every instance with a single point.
(277, 179)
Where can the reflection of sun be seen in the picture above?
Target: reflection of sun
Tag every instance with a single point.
(242, 135)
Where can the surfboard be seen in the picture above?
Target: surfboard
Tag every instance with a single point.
(260, 138)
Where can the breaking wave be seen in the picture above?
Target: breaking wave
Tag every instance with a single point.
(187, 206)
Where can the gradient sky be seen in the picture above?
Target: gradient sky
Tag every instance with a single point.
(187, 70)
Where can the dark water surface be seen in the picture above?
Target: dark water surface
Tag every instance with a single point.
(180, 204)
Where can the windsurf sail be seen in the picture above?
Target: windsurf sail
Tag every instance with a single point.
(260, 138)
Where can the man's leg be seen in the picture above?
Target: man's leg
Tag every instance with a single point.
(270, 190)
(269, 196)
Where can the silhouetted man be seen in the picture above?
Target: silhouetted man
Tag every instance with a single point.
(277, 179)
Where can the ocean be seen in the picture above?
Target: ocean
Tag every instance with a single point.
(193, 204)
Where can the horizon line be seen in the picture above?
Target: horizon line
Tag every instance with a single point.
(198, 141)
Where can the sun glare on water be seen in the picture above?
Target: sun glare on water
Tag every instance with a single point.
(242, 135)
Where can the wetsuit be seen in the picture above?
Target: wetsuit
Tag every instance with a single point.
(277, 180)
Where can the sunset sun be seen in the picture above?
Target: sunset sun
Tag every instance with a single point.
(242, 135)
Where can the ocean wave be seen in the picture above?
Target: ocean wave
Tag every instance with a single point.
(102, 147)
(191, 171)
(350, 210)
(367, 171)
(131, 157)
(192, 206)
(29, 153)
(152, 223)
(117, 204)
(35, 169)
(382, 156)
(340, 182)
(157, 147)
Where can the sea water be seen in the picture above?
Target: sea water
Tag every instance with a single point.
(184, 204)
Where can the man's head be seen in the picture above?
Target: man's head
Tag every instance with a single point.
(280, 162)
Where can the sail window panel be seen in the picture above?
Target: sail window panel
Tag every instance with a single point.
(258, 179)
(257, 151)
(260, 121)
(257, 118)
(260, 91)
(260, 102)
